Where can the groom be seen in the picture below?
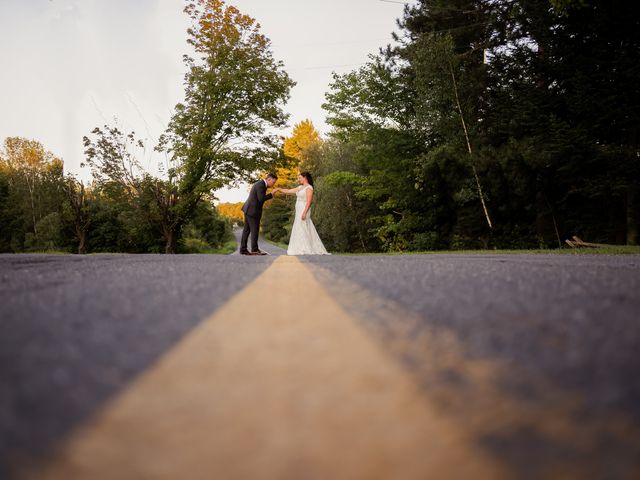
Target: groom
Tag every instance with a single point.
(252, 209)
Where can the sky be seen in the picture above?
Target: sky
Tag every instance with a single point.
(71, 65)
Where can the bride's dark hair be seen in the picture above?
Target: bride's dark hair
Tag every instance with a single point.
(308, 176)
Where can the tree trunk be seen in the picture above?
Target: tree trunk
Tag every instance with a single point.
(546, 225)
(171, 237)
(468, 140)
(82, 247)
(633, 214)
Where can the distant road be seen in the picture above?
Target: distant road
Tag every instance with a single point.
(264, 245)
(418, 366)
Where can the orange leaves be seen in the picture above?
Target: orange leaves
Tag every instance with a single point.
(24, 154)
(216, 24)
(303, 138)
(232, 211)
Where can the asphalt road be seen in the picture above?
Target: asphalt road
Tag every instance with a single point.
(516, 341)
(574, 319)
(75, 329)
(551, 326)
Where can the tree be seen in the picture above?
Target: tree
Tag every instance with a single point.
(224, 130)
(373, 118)
(78, 203)
(206, 231)
(34, 179)
(7, 213)
(303, 138)
(559, 77)
(232, 211)
(129, 214)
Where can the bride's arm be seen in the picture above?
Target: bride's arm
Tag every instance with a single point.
(308, 205)
(290, 191)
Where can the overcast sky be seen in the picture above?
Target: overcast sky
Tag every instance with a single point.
(70, 65)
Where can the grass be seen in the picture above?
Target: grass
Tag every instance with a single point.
(228, 247)
(612, 250)
(231, 246)
(45, 252)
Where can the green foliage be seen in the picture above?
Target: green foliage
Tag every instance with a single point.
(48, 236)
(235, 91)
(223, 131)
(339, 215)
(277, 219)
(536, 103)
(531, 109)
(31, 190)
(207, 231)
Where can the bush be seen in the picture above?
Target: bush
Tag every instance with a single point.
(48, 237)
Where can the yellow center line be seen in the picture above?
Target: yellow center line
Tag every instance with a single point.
(279, 383)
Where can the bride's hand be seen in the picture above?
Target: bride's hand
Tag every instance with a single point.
(304, 217)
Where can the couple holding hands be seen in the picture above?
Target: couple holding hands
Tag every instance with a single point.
(304, 237)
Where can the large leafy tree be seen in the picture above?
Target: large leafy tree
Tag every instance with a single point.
(226, 128)
(33, 179)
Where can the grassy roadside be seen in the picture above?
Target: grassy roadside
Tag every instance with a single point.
(226, 249)
(231, 246)
(613, 250)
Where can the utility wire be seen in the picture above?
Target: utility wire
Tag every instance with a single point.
(323, 67)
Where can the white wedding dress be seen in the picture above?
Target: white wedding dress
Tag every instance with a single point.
(304, 237)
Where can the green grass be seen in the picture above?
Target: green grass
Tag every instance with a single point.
(43, 252)
(613, 250)
(228, 247)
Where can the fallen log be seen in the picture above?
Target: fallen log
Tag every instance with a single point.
(579, 243)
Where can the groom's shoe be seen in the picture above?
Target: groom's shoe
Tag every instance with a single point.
(245, 252)
(259, 252)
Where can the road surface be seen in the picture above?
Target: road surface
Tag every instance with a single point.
(355, 367)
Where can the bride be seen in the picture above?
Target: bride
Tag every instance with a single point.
(304, 237)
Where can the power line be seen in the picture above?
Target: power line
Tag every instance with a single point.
(342, 42)
(327, 66)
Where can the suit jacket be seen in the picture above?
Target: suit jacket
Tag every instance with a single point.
(258, 195)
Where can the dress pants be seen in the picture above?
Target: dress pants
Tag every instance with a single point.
(251, 226)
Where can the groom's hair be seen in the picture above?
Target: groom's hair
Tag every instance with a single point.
(272, 175)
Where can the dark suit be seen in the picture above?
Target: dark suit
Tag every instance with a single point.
(252, 209)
